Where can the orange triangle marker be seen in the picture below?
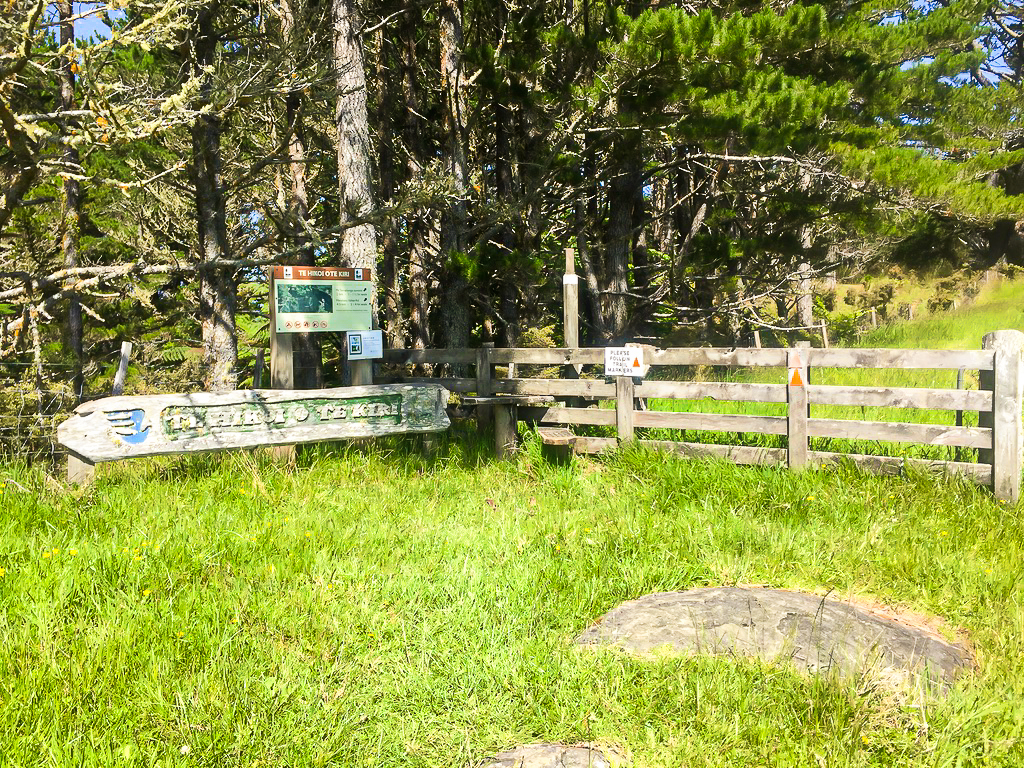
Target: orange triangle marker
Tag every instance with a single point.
(795, 380)
(636, 362)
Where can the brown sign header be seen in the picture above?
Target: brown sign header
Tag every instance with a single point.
(321, 273)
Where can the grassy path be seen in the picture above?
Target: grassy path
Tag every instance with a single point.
(372, 609)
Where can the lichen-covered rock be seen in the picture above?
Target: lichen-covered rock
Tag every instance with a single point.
(555, 756)
(820, 635)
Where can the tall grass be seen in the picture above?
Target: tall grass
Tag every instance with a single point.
(375, 608)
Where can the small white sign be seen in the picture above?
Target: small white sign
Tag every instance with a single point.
(624, 361)
(365, 345)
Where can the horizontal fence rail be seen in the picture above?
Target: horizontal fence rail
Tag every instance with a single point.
(998, 436)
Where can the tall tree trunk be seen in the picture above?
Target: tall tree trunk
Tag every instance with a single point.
(802, 284)
(359, 237)
(389, 279)
(455, 302)
(621, 201)
(507, 190)
(217, 290)
(306, 351)
(72, 211)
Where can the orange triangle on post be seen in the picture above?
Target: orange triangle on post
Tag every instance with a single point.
(795, 380)
(636, 362)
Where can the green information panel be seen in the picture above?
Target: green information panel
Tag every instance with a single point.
(320, 299)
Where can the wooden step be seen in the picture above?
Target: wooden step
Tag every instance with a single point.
(560, 436)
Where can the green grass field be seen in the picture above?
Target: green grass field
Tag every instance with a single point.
(370, 607)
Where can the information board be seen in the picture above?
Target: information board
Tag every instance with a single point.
(319, 299)
(365, 345)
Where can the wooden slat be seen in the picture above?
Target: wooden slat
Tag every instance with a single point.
(415, 356)
(556, 387)
(451, 384)
(972, 359)
(549, 356)
(559, 436)
(740, 454)
(928, 434)
(907, 397)
(732, 356)
(712, 422)
(894, 465)
(714, 390)
(601, 417)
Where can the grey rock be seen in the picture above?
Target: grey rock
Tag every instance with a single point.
(819, 635)
(553, 756)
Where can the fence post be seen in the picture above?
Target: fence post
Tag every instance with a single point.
(257, 371)
(796, 421)
(83, 472)
(1006, 381)
(571, 301)
(624, 407)
(483, 383)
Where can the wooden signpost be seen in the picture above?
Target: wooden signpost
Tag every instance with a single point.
(117, 428)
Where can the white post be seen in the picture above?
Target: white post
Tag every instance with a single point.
(1007, 384)
(624, 391)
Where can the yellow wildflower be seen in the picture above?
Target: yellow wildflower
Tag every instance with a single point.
(46, 554)
(73, 551)
(147, 592)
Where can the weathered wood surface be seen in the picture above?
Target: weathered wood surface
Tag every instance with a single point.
(712, 422)
(452, 384)
(1007, 431)
(126, 427)
(506, 436)
(122, 368)
(897, 465)
(972, 359)
(895, 432)
(796, 420)
(739, 454)
(604, 417)
(821, 635)
(902, 397)
(534, 400)
(557, 436)
(624, 407)
(421, 356)
(555, 387)
(714, 390)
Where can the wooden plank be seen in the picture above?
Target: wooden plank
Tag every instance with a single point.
(560, 415)
(714, 390)
(624, 407)
(508, 400)
(731, 356)
(484, 371)
(127, 427)
(257, 370)
(896, 432)
(796, 394)
(549, 356)
(895, 465)
(452, 384)
(596, 388)
(738, 454)
(1007, 430)
(420, 356)
(557, 436)
(712, 422)
(973, 359)
(902, 397)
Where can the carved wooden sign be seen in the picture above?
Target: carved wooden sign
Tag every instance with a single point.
(128, 427)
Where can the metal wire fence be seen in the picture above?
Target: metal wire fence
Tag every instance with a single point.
(30, 411)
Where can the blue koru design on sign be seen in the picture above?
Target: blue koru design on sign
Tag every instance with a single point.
(131, 426)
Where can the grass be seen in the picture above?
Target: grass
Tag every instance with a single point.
(374, 608)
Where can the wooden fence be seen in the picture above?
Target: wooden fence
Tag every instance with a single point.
(999, 437)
